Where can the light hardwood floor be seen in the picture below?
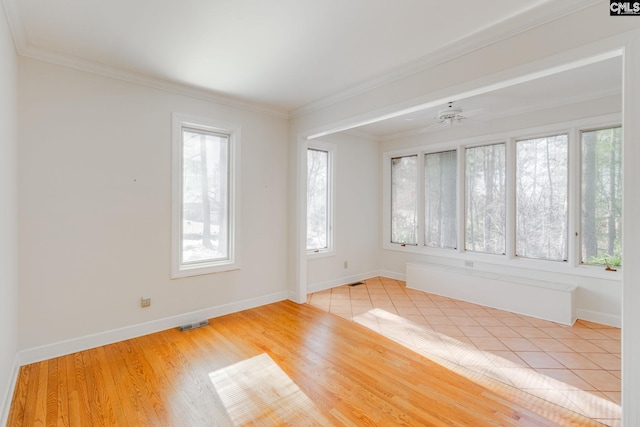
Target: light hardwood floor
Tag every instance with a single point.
(280, 364)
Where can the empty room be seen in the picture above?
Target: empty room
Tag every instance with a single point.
(319, 213)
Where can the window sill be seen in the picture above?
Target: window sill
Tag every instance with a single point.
(202, 269)
(320, 254)
(493, 262)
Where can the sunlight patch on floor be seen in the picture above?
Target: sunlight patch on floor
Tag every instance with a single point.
(476, 364)
(257, 391)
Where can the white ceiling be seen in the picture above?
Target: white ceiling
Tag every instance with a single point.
(281, 54)
(594, 81)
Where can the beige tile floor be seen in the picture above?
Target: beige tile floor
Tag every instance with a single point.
(577, 367)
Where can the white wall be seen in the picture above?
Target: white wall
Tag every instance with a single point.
(8, 216)
(95, 206)
(356, 216)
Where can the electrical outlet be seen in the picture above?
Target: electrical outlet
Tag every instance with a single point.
(145, 302)
(468, 263)
(346, 264)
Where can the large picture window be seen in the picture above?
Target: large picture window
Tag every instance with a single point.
(203, 197)
(485, 187)
(440, 200)
(541, 197)
(601, 221)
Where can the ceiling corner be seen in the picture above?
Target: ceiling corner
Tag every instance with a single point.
(15, 25)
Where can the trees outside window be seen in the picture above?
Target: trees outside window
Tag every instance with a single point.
(205, 203)
(205, 191)
(485, 192)
(541, 197)
(440, 199)
(517, 197)
(404, 200)
(317, 200)
(601, 220)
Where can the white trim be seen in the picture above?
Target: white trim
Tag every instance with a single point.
(631, 233)
(316, 287)
(576, 58)
(61, 348)
(392, 275)
(509, 27)
(7, 399)
(599, 317)
(233, 131)
(145, 80)
(513, 25)
(300, 243)
(331, 150)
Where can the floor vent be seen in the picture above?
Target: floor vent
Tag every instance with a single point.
(193, 325)
(356, 283)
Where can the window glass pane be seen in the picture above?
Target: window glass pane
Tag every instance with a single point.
(317, 199)
(541, 198)
(602, 196)
(485, 199)
(404, 200)
(205, 199)
(440, 200)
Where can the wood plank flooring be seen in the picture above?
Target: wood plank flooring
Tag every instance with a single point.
(280, 364)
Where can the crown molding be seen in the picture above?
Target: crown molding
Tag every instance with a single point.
(15, 24)
(30, 51)
(511, 26)
(146, 80)
(504, 29)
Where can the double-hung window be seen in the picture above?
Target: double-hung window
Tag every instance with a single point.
(320, 185)
(205, 191)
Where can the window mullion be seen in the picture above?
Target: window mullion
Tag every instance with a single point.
(510, 232)
(460, 208)
(421, 225)
(574, 198)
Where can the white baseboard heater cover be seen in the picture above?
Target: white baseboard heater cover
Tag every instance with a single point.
(536, 298)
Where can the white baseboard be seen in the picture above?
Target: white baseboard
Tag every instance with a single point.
(597, 317)
(61, 348)
(317, 287)
(8, 397)
(392, 275)
(293, 296)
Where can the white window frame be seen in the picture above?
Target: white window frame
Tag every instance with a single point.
(331, 150)
(572, 266)
(578, 178)
(570, 165)
(232, 262)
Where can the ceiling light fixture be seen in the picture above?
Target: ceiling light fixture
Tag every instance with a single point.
(450, 115)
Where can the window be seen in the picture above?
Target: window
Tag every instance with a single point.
(602, 196)
(440, 199)
(552, 194)
(404, 200)
(320, 158)
(485, 187)
(541, 197)
(204, 194)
